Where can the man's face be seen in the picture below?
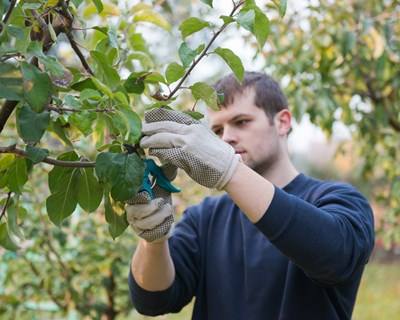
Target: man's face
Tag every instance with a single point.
(248, 129)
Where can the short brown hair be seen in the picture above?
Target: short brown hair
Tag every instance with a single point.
(268, 94)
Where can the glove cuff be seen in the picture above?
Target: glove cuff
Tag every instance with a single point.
(228, 174)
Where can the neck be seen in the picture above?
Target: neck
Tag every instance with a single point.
(281, 173)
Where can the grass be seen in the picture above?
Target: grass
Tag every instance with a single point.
(379, 294)
(378, 297)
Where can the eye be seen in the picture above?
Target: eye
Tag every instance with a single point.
(218, 131)
(242, 122)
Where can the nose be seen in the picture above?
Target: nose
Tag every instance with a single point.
(229, 135)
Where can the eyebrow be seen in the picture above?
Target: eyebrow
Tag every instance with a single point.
(213, 127)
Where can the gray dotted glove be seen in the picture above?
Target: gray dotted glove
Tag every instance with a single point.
(152, 219)
(175, 137)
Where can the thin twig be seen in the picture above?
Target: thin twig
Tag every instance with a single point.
(69, 164)
(3, 212)
(5, 112)
(40, 20)
(196, 61)
(78, 52)
(58, 257)
(48, 290)
(9, 11)
(111, 311)
(7, 56)
(63, 109)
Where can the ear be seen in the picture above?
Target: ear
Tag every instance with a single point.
(283, 122)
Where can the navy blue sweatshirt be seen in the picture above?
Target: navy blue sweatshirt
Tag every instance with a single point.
(302, 260)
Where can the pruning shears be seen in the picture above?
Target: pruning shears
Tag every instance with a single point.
(153, 175)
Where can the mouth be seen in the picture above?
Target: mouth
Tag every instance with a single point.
(240, 151)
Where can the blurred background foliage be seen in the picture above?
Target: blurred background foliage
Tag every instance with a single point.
(338, 62)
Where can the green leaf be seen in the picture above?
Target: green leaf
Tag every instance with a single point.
(155, 77)
(203, 91)
(36, 155)
(57, 128)
(194, 114)
(246, 19)
(12, 220)
(227, 19)
(192, 25)
(102, 87)
(37, 87)
(84, 84)
(31, 125)
(117, 223)
(17, 175)
(131, 179)
(113, 37)
(11, 82)
(232, 60)
(99, 5)
(261, 27)
(137, 42)
(123, 172)
(282, 7)
(255, 21)
(89, 94)
(62, 204)
(71, 101)
(208, 2)
(348, 42)
(148, 15)
(83, 121)
(52, 32)
(77, 3)
(174, 72)
(5, 240)
(52, 65)
(6, 160)
(143, 58)
(58, 176)
(109, 74)
(116, 124)
(134, 84)
(186, 54)
(33, 6)
(134, 125)
(90, 190)
(122, 98)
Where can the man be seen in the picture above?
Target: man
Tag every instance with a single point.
(277, 245)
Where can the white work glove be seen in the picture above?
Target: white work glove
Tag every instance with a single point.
(152, 219)
(175, 137)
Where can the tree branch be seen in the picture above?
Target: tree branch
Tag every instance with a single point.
(5, 112)
(48, 290)
(62, 109)
(69, 164)
(9, 11)
(110, 311)
(205, 51)
(78, 52)
(40, 20)
(3, 212)
(61, 25)
(58, 258)
(378, 100)
(7, 56)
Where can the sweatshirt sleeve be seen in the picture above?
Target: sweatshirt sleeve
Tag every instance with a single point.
(329, 239)
(184, 251)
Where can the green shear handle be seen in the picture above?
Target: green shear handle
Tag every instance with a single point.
(152, 169)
